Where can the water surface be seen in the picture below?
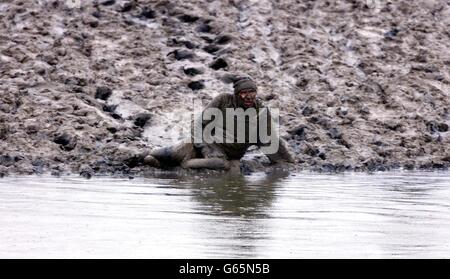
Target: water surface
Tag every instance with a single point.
(303, 215)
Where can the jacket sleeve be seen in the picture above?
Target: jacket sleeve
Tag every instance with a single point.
(218, 102)
(283, 154)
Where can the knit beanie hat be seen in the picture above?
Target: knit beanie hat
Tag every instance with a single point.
(242, 84)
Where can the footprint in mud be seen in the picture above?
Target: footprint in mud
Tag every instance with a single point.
(192, 71)
(218, 64)
(196, 85)
(223, 39)
(204, 28)
(147, 13)
(142, 119)
(188, 18)
(103, 93)
(174, 42)
(211, 48)
(181, 54)
(125, 6)
(65, 141)
(107, 2)
(112, 110)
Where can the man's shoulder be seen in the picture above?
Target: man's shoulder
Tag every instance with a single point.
(224, 97)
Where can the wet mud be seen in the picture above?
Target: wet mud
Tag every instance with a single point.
(87, 88)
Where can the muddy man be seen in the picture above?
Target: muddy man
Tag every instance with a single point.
(225, 154)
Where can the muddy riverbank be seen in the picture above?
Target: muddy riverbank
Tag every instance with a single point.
(361, 85)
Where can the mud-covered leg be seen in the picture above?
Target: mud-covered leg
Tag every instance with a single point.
(213, 158)
(151, 161)
(206, 163)
(170, 156)
(163, 154)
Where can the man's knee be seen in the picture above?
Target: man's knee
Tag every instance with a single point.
(213, 151)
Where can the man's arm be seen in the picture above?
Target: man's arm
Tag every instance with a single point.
(283, 153)
(217, 102)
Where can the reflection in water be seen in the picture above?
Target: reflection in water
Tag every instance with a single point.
(246, 200)
(235, 195)
(399, 214)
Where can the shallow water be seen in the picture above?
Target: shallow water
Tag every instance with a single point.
(401, 214)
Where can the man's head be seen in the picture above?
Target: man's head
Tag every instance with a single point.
(245, 89)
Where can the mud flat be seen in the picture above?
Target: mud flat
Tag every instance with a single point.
(361, 85)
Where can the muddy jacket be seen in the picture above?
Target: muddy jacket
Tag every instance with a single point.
(236, 150)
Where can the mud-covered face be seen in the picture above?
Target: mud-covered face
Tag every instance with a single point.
(247, 97)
